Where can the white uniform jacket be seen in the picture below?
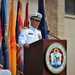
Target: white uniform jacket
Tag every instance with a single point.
(29, 36)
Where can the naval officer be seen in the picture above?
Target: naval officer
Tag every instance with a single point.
(30, 34)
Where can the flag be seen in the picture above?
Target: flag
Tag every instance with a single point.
(9, 40)
(9, 44)
(21, 63)
(4, 33)
(19, 27)
(19, 22)
(1, 65)
(26, 23)
(12, 39)
(43, 22)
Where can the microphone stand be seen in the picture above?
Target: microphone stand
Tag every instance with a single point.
(51, 34)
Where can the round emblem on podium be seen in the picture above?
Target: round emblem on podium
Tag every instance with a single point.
(55, 58)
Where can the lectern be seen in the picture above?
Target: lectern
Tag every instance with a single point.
(39, 60)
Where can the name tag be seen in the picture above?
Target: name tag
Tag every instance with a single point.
(30, 33)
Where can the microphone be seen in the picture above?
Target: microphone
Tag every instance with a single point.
(44, 29)
(48, 32)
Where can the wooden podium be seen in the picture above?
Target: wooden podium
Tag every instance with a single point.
(34, 58)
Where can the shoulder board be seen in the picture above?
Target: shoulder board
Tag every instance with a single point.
(38, 29)
(25, 27)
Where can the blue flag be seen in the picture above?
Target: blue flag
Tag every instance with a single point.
(43, 21)
(4, 33)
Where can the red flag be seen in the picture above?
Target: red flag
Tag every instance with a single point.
(26, 24)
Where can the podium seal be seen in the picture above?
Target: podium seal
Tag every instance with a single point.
(55, 58)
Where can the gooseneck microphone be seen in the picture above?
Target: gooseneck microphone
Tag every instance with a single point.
(48, 32)
(44, 29)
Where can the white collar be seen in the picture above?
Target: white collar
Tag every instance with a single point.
(34, 29)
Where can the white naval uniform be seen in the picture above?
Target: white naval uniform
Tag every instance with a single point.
(29, 36)
(5, 72)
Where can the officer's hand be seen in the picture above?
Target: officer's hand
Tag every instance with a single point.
(26, 45)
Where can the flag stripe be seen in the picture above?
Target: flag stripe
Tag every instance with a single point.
(20, 22)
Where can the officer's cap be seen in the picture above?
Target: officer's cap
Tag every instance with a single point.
(36, 16)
